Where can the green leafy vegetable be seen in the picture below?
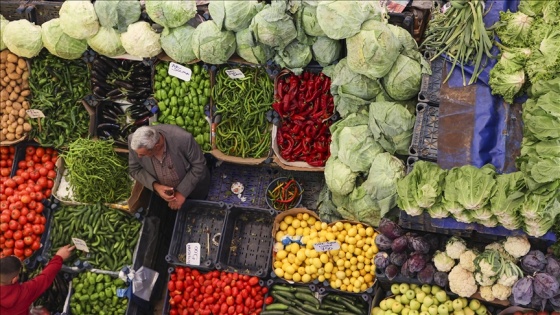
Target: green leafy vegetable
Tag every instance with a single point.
(391, 124)
(23, 38)
(141, 40)
(421, 188)
(177, 43)
(513, 29)
(326, 51)
(343, 18)
(273, 27)
(117, 14)
(506, 202)
(475, 186)
(403, 80)
(507, 78)
(212, 45)
(3, 23)
(60, 44)
(106, 42)
(78, 19)
(170, 13)
(233, 15)
(339, 178)
(295, 56)
(249, 49)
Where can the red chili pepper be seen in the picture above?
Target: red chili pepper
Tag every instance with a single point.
(280, 89)
(296, 129)
(319, 114)
(298, 117)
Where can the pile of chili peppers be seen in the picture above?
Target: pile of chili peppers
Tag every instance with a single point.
(305, 106)
(285, 195)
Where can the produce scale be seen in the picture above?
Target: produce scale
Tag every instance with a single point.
(395, 157)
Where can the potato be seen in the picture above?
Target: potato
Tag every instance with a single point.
(22, 64)
(25, 104)
(20, 99)
(19, 71)
(12, 58)
(25, 93)
(4, 95)
(13, 83)
(10, 136)
(11, 128)
(10, 68)
(17, 89)
(15, 113)
(9, 88)
(5, 119)
(6, 79)
(13, 96)
(4, 55)
(17, 105)
(22, 113)
(3, 66)
(25, 75)
(3, 83)
(26, 127)
(4, 129)
(14, 76)
(19, 130)
(9, 108)
(3, 73)
(19, 81)
(20, 121)
(24, 85)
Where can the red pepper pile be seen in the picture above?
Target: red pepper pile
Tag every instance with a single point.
(305, 104)
(214, 293)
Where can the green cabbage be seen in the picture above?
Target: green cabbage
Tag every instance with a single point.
(383, 176)
(359, 206)
(3, 23)
(250, 50)
(310, 23)
(373, 51)
(326, 50)
(340, 19)
(339, 178)
(403, 80)
(177, 44)
(357, 147)
(107, 42)
(212, 45)
(475, 186)
(354, 119)
(60, 44)
(513, 29)
(391, 125)
(295, 56)
(78, 19)
(171, 13)
(141, 41)
(233, 15)
(273, 27)
(23, 38)
(117, 14)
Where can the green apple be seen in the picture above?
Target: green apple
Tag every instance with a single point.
(424, 313)
(377, 310)
(435, 289)
(388, 312)
(395, 288)
(474, 305)
(397, 307)
(481, 310)
(449, 305)
(414, 305)
(464, 301)
(394, 314)
(383, 305)
(413, 286)
(389, 303)
(420, 296)
(404, 287)
(428, 301)
(404, 300)
(459, 312)
(457, 304)
(413, 312)
(418, 290)
(427, 288)
(468, 311)
(442, 310)
(441, 296)
(410, 294)
(436, 302)
(432, 310)
(423, 308)
(405, 311)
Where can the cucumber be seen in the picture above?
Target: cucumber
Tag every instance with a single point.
(267, 312)
(313, 310)
(297, 311)
(307, 297)
(276, 307)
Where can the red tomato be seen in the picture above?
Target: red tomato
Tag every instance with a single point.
(39, 208)
(30, 150)
(28, 240)
(268, 300)
(253, 281)
(43, 171)
(230, 300)
(18, 235)
(171, 286)
(4, 218)
(15, 214)
(22, 164)
(40, 152)
(19, 244)
(22, 220)
(7, 252)
(34, 175)
(9, 243)
(49, 165)
(51, 174)
(8, 234)
(4, 227)
(27, 252)
(45, 158)
(27, 231)
(25, 199)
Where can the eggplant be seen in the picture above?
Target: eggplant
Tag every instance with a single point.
(142, 121)
(101, 83)
(110, 127)
(104, 133)
(98, 91)
(114, 92)
(110, 63)
(101, 68)
(109, 119)
(124, 85)
(114, 107)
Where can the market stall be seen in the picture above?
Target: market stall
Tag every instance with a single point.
(364, 157)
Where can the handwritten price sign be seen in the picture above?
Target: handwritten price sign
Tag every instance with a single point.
(179, 71)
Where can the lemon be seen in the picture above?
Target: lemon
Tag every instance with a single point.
(343, 287)
(331, 236)
(328, 267)
(321, 271)
(322, 239)
(340, 274)
(374, 247)
(324, 225)
(361, 259)
(336, 284)
(367, 268)
(355, 274)
(314, 253)
(348, 272)
(333, 228)
(334, 251)
(301, 270)
(352, 232)
(369, 231)
(291, 231)
(301, 255)
(321, 278)
(311, 220)
(296, 223)
(281, 254)
(360, 265)
(346, 281)
(363, 272)
(353, 267)
(288, 276)
(306, 230)
(340, 237)
(296, 277)
(353, 260)
(351, 240)
(340, 262)
(358, 238)
(288, 219)
(368, 278)
(357, 251)
(324, 258)
(279, 272)
(364, 286)
(348, 255)
(283, 226)
(318, 225)
(341, 254)
(299, 231)
(305, 278)
(360, 243)
(347, 226)
(292, 258)
(277, 264)
(317, 263)
(347, 264)
(303, 223)
(294, 248)
(362, 231)
(279, 235)
(351, 248)
(369, 241)
(299, 216)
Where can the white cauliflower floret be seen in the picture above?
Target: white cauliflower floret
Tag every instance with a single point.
(506, 280)
(466, 260)
(495, 246)
(501, 292)
(486, 293)
(517, 246)
(486, 268)
(509, 274)
(484, 280)
(461, 282)
(499, 246)
(443, 262)
(455, 247)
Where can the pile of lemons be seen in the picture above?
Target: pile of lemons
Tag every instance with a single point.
(349, 268)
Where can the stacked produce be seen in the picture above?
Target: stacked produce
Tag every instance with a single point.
(305, 107)
(7, 155)
(14, 90)
(214, 292)
(113, 122)
(22, 221)
(413, 299)
(57, 88)
(97, 294)
(540, 289)
(95, 172)
(241, 105)
(347, 269)
(121, 79)
(183, 103)
(110, 234)
(301, 300)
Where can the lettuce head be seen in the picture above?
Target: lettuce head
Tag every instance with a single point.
(475, 186)
(513, 28)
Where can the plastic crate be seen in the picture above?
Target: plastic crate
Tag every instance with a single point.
(425, 223)
(17, 10)
(36, 259)
(198, 222)
(45, 11)
(246, 243)
(410, 163)
(431, 84)
(425, 137)
(404, 20)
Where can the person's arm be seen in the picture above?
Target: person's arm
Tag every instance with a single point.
(195, 156)
(33, 288)
(136, 170)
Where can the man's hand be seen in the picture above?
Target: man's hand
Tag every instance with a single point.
(65, 251)
(178, 202)
(161, 189)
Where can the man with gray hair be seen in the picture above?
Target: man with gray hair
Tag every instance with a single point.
(167, 160)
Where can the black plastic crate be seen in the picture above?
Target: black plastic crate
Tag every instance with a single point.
(36, 259)
(424, 223)
(45, 11)
(198, 222)
(431, 84)
(404, 20)
(246, 243)
(410, 163)
(17, 10)
(425, 137)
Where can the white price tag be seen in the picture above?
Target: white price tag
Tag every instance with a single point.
(80, 244)
(179, 71)
(34, 113)
(235, 74)
(325, 246)
(193, 254)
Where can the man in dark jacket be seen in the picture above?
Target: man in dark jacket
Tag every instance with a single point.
(15, 297)
(167, 160)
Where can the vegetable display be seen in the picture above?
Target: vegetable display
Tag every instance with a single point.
(112, 121)
(183, 103)
(97, 294)
(305, 107)
(301, 300)
(22, 38)
(95, 172)
(14, 90)
(241, 104)
(57, 88)
(22, 221)
(214, 292)
(110, 234)
(60, 44)
(285, 195)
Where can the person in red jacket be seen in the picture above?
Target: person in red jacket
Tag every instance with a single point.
(15, 297)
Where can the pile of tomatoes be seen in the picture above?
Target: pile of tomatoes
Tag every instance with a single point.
(214, 293)
(21, 199)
